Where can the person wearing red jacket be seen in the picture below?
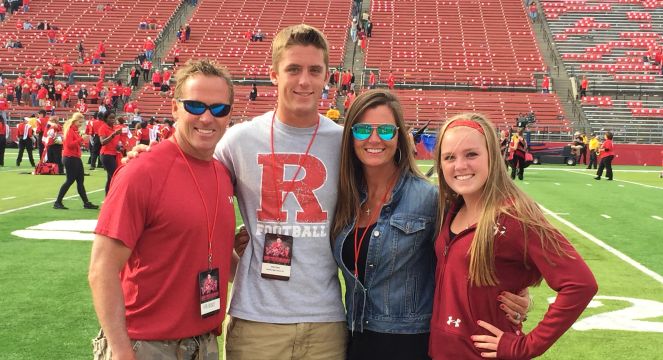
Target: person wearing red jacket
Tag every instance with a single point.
(494, 238)
(72, 162)
(391, 81)
(606, 154)
(109, 141)
(25, 134)
(148, 47)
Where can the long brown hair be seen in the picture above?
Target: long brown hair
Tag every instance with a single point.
(500, 196)
(352, 173)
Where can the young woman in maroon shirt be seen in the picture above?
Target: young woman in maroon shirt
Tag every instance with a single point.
(71, 153)
(494, 239)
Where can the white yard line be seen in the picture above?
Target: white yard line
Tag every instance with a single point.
(9, 198)
(657, 277)
(617, 180)
(657, 217)
(44, 202)
(606, 216)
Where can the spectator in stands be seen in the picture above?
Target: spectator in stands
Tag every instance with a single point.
(333, 113)
(391, 81)
(248, 35)
(25, 138)
(187, 32)
(68, 71)
(257, 36)
(51, 35)
(349, 98)
(134, 74)
(101, 48)
(148, 48)
(594, 145)
(369, 28)
(545, 84)
(80, 48)
(253, 95)
(143, 133)
(3, 12)
(606, 154)
(164, 90)
(18, 93)
(347, 79)
(126, 94)
(156, 79)
(167, 130)
(176, 55)
(584, 84)
(371, 80)
(142, 24)
(353, 30)
(136, 119)
(81, 107)
(82, 93)
(517, 150)
(72, 162)
(178, 34)
(26, 6)
(533, 11)
(147, 67)
(325, 92)
(53, 138)
(116, 92)
(151, 23)
(27, 25)
(167, 75)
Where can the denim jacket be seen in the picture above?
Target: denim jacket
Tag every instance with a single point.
(397, 296)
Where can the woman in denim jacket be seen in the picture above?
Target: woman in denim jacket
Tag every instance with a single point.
(383, 234)
(387, 211)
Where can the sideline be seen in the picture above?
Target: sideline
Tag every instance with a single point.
(616, 180)
(44, 202)
(657, 277)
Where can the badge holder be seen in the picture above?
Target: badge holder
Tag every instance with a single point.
(208, 285)
(277, 257)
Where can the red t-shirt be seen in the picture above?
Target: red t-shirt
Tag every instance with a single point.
(4, 104)
(607, 149)
(126, 91)
(169, 247)
(104, 131)
(71, 146)
(3, 128)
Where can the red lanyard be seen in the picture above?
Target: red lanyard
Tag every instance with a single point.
(370, 221)
(279, 204)
(210, 230)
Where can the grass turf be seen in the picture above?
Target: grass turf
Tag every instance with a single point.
(47, 311)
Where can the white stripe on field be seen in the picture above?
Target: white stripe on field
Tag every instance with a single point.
(605, 246)
(657, 217)
(606, 216)
(9, 198)
(43, 202)
(625, 181)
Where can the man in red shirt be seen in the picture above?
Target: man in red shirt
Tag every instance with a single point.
(68, 71)
(371, 80)
(4, 106)
(584, 84)
(138, 229)
(391, 81)
(148, 47)
(606, 154)
(50, 34)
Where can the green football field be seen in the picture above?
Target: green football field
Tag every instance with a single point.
(46, 310)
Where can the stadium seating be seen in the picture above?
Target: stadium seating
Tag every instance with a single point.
(631, 120)
(81, 20)
(607, 40)
(480, 44)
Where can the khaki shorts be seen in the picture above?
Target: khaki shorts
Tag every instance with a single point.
(249, 340)
(203, 347)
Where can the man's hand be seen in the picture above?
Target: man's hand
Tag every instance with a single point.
(515, 306)
(135, 152)
(241, 240)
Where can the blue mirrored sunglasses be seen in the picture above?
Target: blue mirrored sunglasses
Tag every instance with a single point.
(198, 108)
(386, 132)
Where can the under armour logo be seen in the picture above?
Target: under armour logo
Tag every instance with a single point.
(230, 199)
(452, 321)
(499, 229)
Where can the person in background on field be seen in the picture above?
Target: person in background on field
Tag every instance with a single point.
(25, 138)
(109, 139)
(3, 141)
(594, 145)
(253, 95)
(517, 149)
(145, 244)
(72, 161)
(53, 142)
(495, 238)
(606, 154)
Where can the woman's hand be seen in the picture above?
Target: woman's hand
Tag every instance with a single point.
(516, 306)
(488, 342)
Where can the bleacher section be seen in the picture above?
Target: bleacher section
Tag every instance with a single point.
(606, 41)
(639, 121)
(476, 44)
(80, 20)
(219, 31)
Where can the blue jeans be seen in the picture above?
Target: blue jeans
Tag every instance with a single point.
(148, 54)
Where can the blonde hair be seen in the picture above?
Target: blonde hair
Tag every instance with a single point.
(203, 67)
(300, 34)
(500, 197)
(67, 124)
(352, 174)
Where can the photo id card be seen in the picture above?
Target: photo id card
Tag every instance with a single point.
(277, 257)
(208, 285)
